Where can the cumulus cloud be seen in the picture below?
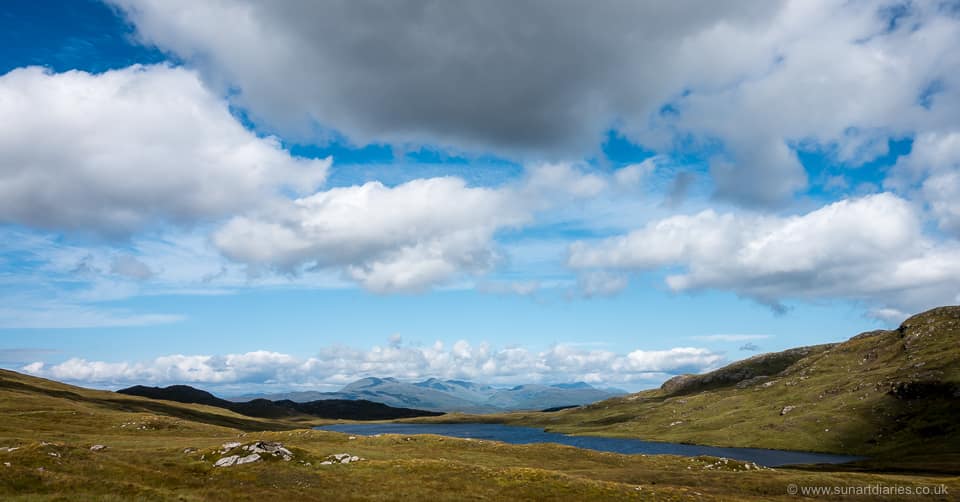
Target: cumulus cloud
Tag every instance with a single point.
(113, 152)
(338, 365)
(932, 170)
(868, 249)
(832, 76)
(408, 77)
(759, 79)
(402, 238)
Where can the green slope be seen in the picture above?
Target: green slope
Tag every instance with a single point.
(881, 393)
(158, 450)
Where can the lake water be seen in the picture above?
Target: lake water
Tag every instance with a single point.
(526, 435)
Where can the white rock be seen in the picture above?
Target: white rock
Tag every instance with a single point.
(230, 446)
(98, 447)
(249, 459)
(226, 461)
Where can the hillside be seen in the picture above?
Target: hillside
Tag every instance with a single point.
(263, 408)
(454, 395)
(881, 393)
(60, 442)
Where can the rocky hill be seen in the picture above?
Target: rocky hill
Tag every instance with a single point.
(887, 392)
(263, 408)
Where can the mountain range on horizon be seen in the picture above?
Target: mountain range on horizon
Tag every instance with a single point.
(350, 409)
(452, 395)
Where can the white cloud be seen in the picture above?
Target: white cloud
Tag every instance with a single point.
(563, 178)
(403, 238)
(113, 152)
(889, 315)
(843, 77)
(933, 167)
(869, 249)
(388, 239)
(338, 365)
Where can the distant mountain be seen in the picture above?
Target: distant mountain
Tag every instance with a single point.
(530, 397)
(456, 395)
(351, 409)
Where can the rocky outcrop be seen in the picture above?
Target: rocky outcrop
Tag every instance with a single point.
(226, 461)
(751, 371)
(238, 453)
(340, 458)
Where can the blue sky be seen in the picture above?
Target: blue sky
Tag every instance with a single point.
(257, 196)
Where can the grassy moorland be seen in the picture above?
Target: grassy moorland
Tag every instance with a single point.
(891, 395)
(158, 450)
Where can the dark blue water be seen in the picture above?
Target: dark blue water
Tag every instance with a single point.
(527, 435)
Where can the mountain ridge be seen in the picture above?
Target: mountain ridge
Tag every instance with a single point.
(455, 395)
(358, 409)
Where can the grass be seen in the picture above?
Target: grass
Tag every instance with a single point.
(159, 450)
(145, 460)
(841, 396)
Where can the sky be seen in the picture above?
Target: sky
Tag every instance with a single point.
(247, 195)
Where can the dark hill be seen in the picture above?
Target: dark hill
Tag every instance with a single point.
(264, 408)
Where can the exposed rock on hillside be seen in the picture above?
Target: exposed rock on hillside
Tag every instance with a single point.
(340, 458)
(753, 370)
(234, 453)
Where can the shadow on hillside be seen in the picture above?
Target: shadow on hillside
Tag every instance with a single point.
(142, 405)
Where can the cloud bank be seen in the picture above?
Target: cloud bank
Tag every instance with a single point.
(338, 365)
(869, 249)
(745, 83)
